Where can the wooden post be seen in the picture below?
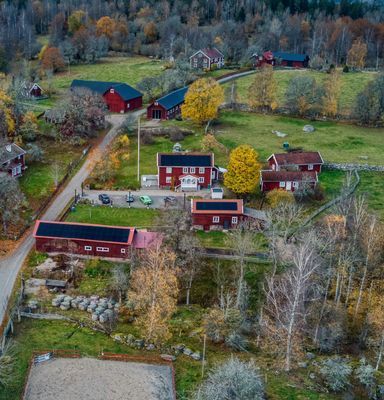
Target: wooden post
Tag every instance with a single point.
(138, 149)
(203, 359)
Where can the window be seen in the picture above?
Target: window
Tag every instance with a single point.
(127, 105)
(216, 219)
(112, 90)
(213, 175)
(192, 170)
(122, 251)
(201, 179)
(169, 170)
(87, 248)
(282, 184)
(295, 184)
(102, 249)
(310, 167)
(201, 170)
(185, 170)
(234, 220)
(168, 179)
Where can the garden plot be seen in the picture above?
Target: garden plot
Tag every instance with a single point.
(87, 378)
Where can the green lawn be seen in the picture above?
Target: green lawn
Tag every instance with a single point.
(352, 84)
(137, 217)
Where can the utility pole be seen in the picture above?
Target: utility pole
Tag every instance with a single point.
(138, 149)
(203, 360)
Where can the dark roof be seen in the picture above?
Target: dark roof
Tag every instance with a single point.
(101, 233)
(298, 158)
(212, 52)
(125, 91)
(290, 56)
(10, 151)
(277, 176)
(173, 99)
(185, 159)
(202, 206)
(56, 283)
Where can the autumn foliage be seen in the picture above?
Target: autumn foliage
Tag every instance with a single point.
(262, 92)
(277, 196)
(357, 54)
(52, 59)
(105, 26)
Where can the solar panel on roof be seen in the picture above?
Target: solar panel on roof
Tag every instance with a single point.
(185, 160)
(86, 232)
(216, 205)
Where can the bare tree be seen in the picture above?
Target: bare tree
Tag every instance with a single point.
(119, 281)
(55, 174)
(7, 364)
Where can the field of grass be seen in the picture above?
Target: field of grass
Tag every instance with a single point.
(137, 217)
(352, 84)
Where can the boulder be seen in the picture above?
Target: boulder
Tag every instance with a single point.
(312, 376)
(308, 128)
(310, 356)
(65, 306)
(302, 365)
(179, 347)
(187, 351)
(103, 318)
(95, 317)
(91, 308)
(56, 302)
(196, 356)
(130, 339)
(150, 347)
(139, 343)
(168, 357)
(118, 337)
(279, 134)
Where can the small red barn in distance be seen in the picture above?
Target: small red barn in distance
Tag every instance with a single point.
(259, 60)
(186, 171)
(299, 161)
(287, 180)
(216, 214)
(168, 106)
(91, 240)
(119, 97)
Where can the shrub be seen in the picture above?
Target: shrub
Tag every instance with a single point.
(277, 196)
(365, 374)
(336, 373)
(346, 69)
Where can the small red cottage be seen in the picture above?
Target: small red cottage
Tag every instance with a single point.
(208, 58)
(34, 91)
(259, 60)
(91, 240)
(186, 171)
(296, 161)
(216, 214)
(167, 107)
(287, 180)
(12, 159)
(119, 97)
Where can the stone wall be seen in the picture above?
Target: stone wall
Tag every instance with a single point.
(354, 167)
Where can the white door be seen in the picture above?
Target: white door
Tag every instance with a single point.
(288, 186)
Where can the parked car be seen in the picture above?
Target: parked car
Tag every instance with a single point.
(170, 200)
(129, 198)
(104, 198)
(146, 200)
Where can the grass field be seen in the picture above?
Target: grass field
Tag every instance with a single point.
(352, 84)
(137, 217)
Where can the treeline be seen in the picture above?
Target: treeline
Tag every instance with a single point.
(86, 30)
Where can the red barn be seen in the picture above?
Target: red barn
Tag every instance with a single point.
(260, 60)
(208, 58)
(298, 161)
(167, 107)
(216, 214)
(12, 159)
(91, 240)
(291, 59)
(34, 90)
(287, 180)
(186, 171)
(119, 97)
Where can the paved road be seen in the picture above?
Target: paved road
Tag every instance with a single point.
(10, 266)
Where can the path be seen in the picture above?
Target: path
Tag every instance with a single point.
(11, 265)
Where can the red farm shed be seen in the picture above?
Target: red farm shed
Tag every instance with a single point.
(287, 180)
(259, 60)
(90, 240)
(168, 106)
(216, 214)
(298, 161)
(291, 59)
(119, 97)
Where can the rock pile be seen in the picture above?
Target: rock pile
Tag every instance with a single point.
(102, 309)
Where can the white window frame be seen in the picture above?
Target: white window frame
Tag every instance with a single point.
(103, 249)
(215, 219)
(185, 170)
(123, 251)
(192, 170)
(235, 220)
(295, 184)
(213, 174)
(282, 184)
(201, 179)
(310, 167)
(112, 91)
(87, 248)
(201, 170)
(168, 179)
(168, 170)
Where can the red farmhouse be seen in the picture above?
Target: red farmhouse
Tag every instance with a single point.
(208, 58)
(216, 214)
(167, 107)
(266, 58)
(298, 161)
(291, 59)
(12, 159)
(119, 97)
(186, 171)
(91, 240)
(287, 180)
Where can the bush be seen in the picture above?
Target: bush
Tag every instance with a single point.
(277, 196)
(365, 374)
(346, 69)
(236, 341)
(336, 373)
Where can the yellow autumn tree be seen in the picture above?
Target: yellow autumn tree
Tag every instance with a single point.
(153, 293)
(330, 99)
(6, 104)
(202, 100)
(278, 196)
(105, 26)
(262, 92)
(357, 54)
(243, 172)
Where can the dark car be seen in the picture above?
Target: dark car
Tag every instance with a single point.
(104, 198)
(129, 198)
(170, 200)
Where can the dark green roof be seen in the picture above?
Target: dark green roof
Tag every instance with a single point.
(173, 99)
(290, 56)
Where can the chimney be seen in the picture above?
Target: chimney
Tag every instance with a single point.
(8, 147)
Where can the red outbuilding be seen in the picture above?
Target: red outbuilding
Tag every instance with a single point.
(168, 106)
(91, 240)
(287, 180)
(259, 60)
(12, 159)
(216, 214)
(292, 60)
(119, 97)
(296, 160)
(186, 171)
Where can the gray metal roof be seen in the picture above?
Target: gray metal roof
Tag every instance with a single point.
(10, 152)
